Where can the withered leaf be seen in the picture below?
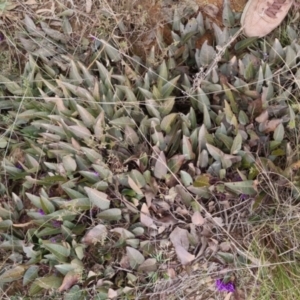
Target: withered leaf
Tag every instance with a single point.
(145, 217)
(197, 218)
(70, 279)
(179, 237)
(184, 256)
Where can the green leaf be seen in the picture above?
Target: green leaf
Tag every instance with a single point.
(228, 257)
(175, 163)
(202, 181)
(160, 168)
(30, 274)
(151, 108)
(237, 144)
(290, 58)
(276, 52)
(166, 105)
(186, 197)
(226, 140)
(242, 187)
(98, 198)
(163, 76)
(92, 177)
(4, 225)
(244, 43)
(135, 257)
(66, 26)
(279, 133)
(186, 178)
(138, 178)
(206, 117)
(12, 274)
(292, 122)
(113, 214)
(35, 200)
(34, 289)
(168, 87)
(123, 122)
(54, 34)
(92, 155)
(59, 251)
(243, 118)
(86, 117)
(214, 152)
(49, 282)
(187, 149)
(228, 15)
(131, 136)
(111, 51)
(69, 163)
(168, 122)
(47, 206)
(206, 55)
(80, 131)
(3, 142)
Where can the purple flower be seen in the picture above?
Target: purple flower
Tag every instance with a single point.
(18, 164)
(52, 240)
(41, 212)
(225, 287)
(244, 197)
(237, 177)
(56, 224)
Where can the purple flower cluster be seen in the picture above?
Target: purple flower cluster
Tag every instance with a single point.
(225, 287)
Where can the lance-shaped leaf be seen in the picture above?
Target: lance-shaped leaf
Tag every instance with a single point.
(98, 198)
(161, 168)
(242, 187)
(12, 274)
(136, 258)
(95, 235)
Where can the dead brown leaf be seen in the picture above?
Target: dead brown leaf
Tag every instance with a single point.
(149, 265)
(134, 186)
(269, 126)
(171, 273)
(179, 236)
(23, 224)
(184, 256)
(218, 221)
(124, 262)
(70, 279)
(228, 296)
(225, 246)
(145, 217)
(263, 117)
(95, 235)
(197, 218)
(255, 107)
(88, 6)
(112, 294)
(211, 10)
(149, 196)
